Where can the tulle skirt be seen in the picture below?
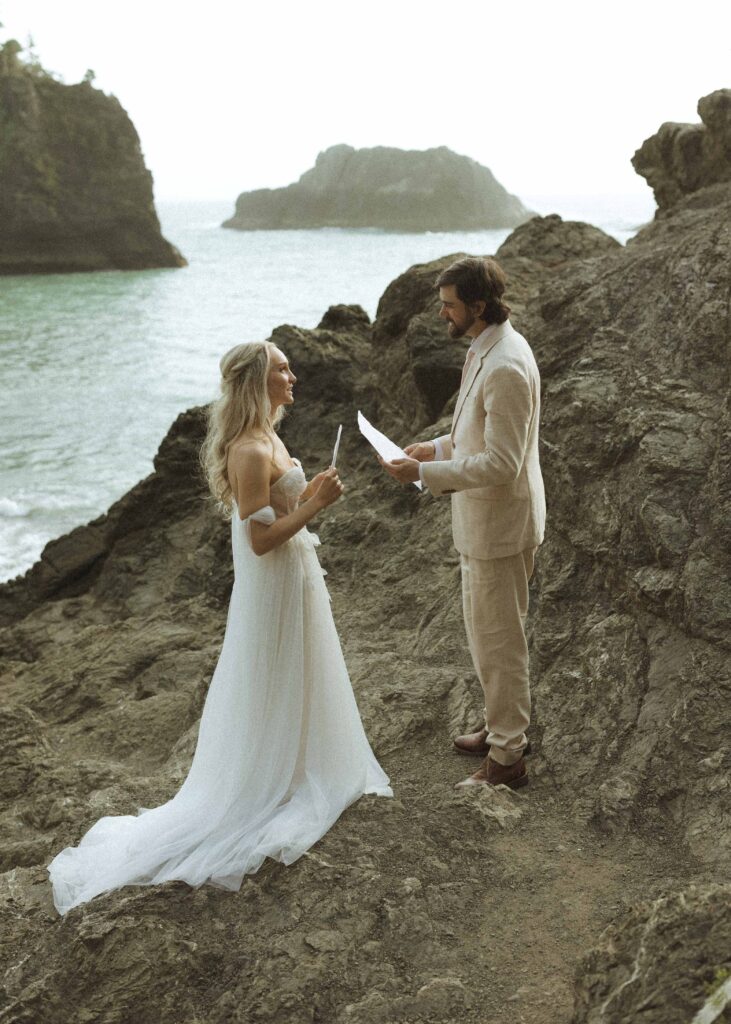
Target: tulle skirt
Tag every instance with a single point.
(281, 749)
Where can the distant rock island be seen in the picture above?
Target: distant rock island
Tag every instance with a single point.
(393, 189)
(74, 190)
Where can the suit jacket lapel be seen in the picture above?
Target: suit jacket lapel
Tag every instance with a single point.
(475, 367)
(467, 383)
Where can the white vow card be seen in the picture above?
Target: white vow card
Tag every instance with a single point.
(337, 445)
(383, 445)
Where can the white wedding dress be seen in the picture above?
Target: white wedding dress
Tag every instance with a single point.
(281, 750)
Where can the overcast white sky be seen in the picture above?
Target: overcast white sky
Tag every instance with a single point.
(227, 96)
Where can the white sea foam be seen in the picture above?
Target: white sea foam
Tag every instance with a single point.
(11, 509)
(19, 549)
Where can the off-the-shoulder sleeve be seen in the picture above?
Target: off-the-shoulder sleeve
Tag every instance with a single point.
(264, 515)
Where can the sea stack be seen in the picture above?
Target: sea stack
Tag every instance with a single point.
(391, 189)
(74, 190)
(683, 158)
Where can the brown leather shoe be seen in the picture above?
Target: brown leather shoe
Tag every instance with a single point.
(512, 775)
(473, 743)
(490, 773)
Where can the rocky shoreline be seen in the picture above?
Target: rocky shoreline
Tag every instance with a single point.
(591, 895)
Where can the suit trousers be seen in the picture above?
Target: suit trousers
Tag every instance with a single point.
(495, 604)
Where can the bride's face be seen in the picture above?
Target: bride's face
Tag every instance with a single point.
(280, 380)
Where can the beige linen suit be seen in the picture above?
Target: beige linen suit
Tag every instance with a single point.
(490, 466)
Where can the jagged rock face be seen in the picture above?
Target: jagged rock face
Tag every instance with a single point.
(393, 189)
(631, 634)
(682, 158)
(412, 343)
(437, 905)
(662, 964)
(74, 190)
(417, 367)
(632, 596)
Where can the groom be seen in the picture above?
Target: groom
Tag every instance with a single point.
(489, 464)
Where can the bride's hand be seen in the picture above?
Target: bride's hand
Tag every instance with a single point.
(329, 488)
(316, 481)
(312, 486)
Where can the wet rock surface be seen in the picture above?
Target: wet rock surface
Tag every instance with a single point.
(438, 905)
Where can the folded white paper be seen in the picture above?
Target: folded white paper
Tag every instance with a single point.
(386, 448)
(337, 445)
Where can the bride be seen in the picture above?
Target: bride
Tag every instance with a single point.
(281, 750)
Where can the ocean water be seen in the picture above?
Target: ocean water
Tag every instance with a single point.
(95, 367)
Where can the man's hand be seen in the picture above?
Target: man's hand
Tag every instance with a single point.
(422, 451)
(406, 471)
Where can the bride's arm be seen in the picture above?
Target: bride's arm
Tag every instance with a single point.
(251, 468)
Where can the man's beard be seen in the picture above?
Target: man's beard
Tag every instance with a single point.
(458, 331)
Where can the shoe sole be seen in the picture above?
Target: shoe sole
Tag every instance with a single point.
(486, 751)
(518, 783)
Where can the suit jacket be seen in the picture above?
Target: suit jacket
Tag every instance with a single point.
(490, 464)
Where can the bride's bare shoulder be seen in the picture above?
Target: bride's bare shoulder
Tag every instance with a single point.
(250, 449)
(249, 463)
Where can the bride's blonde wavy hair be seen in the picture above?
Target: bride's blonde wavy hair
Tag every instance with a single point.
(243, 407)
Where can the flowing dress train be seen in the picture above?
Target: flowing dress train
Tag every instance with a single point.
(281, 749)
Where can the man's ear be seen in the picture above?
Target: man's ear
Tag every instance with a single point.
(478, 308)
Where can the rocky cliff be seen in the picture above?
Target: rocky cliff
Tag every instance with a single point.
(74, 190)
(682, 158)
(392, 189)
(593, 894)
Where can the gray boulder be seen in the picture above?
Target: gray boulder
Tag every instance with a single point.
(554, 241)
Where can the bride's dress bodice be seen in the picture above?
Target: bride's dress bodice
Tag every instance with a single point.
(285, 492)
(284, 495)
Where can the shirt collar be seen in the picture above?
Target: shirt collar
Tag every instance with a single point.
(487, 333)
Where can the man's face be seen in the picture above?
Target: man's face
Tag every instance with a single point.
(460, 318)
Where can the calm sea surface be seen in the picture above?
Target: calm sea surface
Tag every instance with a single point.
(95, 367)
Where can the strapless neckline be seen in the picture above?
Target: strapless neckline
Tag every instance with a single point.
(297, 466)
